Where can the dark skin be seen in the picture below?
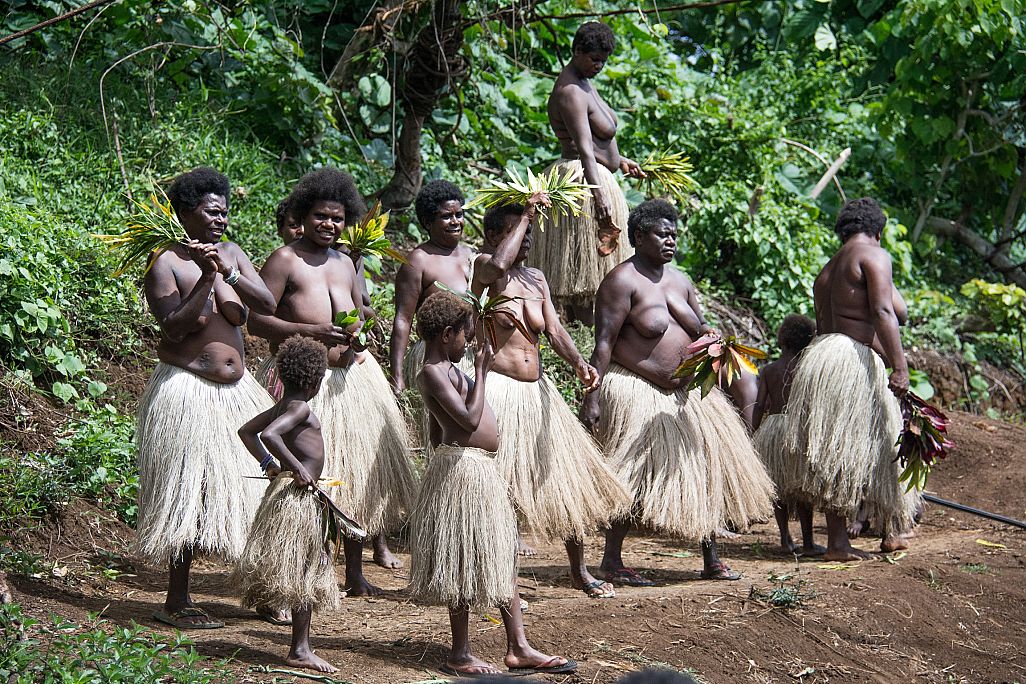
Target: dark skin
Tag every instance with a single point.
(290, 432)
(442, 258)
(646, 314)
(291, 230)
(774, 390)
(461, 416)
(500, 270)
(586, 129)
(311, 283)
(855, 296)
(200, 317)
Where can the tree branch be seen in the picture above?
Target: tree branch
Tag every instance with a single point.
(994, 256)
(826, 163)
(53, 20)
(639, 10)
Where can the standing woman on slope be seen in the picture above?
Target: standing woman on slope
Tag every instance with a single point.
(576, 253)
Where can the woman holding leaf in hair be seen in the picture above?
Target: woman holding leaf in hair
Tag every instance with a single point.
(192, 498)
(576, 252)
(687, 460)
(364, 432)
(559, 481)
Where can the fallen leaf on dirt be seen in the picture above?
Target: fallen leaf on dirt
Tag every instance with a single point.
(990, 544)
(606, 663)
(805, 673)
(893, 560)
(675, 554)
(493, 620)
(837, 566)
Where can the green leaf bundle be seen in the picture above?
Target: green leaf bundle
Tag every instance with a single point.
(368, 236)
(671, 170)
(922, 441)
(151, 229)
(565, 191)
(362, 337)
(488, 310)
(712, 360)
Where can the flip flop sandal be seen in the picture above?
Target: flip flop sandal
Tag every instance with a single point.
(720, 571)
(601, 594)
(176, 619)
(569, 667)
(630, 577)
(453, 672)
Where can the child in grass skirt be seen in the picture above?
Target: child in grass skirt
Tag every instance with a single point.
(286, 562)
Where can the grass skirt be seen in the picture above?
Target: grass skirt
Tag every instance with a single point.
(267, 375)
(843, 422)
(463, 532)
(365, 445)
(560, 483)
(688, 461)
(781, 463)
(286, 562)
(566, 249)
(191, 465)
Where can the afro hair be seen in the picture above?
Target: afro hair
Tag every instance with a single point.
(796, 332)
(281, 213)
(440, 311)
(329, 185)
(497, 218)
(594, 36)
(862, 215)
(189, 189)
(644, 217)
(301, 362)
(433, 195)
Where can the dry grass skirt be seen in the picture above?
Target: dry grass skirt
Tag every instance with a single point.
(781, 463)
(192, 491)
(843, 422)
(286, 562)
(267, 375)
(463, 532)
(566, 249)
(687, 461)
(561, 485)
(365, 445)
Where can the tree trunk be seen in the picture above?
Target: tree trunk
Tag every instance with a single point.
(433, 68)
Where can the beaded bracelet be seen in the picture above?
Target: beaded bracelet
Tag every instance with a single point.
(233, 276)
(266, 463)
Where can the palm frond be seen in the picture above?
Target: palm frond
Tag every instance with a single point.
(566, 191)
(368, 236)
(152, 228)
(671, 170)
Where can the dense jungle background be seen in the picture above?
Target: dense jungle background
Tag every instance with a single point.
(927, 96)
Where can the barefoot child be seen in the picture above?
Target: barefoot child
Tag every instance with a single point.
(286, 563)
(794, 335)
(463, 529)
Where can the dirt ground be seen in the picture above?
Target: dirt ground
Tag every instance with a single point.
(952, 610)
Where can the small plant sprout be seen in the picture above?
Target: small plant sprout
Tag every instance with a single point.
(151, 229)
(362, 337)
(368, 236)
(922, 441)
(714, 359)
(671, 171)
(566, 191)
(487, 310)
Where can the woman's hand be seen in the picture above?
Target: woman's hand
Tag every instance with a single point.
(272, 471)
(589, 413)
(329, 334)
(302, 478)
(485, 354)
(632, 168)
(534, 200)
(588, 376)
(200, 253)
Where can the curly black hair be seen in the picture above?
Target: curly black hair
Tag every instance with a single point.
(433, 195)
(281, 213)
(328, 184)
(495, 219)
(796, 332)
(644, 217)
(188, 189)
(594, 36)
(440, 311)
(862, 215)
(301, 362)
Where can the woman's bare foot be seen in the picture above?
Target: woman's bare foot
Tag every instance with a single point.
(724, 533)
(384, 557)
(857, 527)
(528, 658)
(848, 554)
(788, 547)
(361, 587)
(276, 616)
(893, 543)
(470, 666)
(811, 550)
(523, 549)
(311, 661)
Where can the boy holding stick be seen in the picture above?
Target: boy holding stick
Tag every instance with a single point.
(463, 528)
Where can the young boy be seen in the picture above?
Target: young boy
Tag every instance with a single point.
(793, 336)
(290, 228)
(463, 528)
(286, 563)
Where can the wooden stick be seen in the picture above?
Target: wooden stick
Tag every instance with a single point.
(830, 173)
(53, 20)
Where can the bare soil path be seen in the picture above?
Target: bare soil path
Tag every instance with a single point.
(952, 609)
